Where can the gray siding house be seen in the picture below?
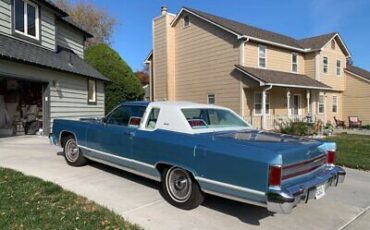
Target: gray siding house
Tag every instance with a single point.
(43, 75)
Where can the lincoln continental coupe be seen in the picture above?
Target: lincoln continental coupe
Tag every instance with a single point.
(195, 149)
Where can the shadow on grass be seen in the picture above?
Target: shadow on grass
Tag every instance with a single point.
(246, 213)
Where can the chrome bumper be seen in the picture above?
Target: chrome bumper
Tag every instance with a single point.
(283, 201)
(52, 139)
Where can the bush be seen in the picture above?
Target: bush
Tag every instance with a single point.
(300, 128)
(124, 86)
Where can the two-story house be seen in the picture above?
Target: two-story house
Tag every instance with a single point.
(264, 76)
(43, 74)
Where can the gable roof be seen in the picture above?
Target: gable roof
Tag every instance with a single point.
(283, 79)
(261, 35)
(316, 42)
(358, 72)
(62, 60)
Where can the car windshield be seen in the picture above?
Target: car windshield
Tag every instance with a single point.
(201, 118)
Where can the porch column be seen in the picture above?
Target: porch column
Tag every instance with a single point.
(288, 101)
(263, 109)
(264, 124)
(308, 96)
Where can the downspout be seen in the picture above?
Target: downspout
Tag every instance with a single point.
(264, 91)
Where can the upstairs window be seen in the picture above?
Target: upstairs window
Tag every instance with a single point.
(294, 63)
(339, 67)
(262, 56)
(325, 65)
(26, 18)
(186, 20)
(211, 99)
(91, 91)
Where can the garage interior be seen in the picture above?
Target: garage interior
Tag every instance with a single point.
(21, 107)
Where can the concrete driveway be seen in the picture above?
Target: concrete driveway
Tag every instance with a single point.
(139, 201)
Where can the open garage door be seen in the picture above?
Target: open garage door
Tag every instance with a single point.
(24, 108)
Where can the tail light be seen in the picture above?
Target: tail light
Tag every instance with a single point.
(275, 175)
(330, 157)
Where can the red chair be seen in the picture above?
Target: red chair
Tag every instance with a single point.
(354, 122)
(339, 123)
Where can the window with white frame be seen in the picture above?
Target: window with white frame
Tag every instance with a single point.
(262, 56)
(26, 18)
(258, 103)
(335, 104)
(321, 104)
(325, 64)
(294, 62)
(339, 64)
(211, 99)
(91, 91)
(186, 21)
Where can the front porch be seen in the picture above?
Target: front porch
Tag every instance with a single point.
(270, 97)
(267, 108)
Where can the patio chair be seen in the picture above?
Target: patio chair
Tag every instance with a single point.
(354, 122)
(339, 123)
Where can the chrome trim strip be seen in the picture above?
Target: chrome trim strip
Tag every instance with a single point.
(231, 186)
(235, 198)
(124, 168)
(118, 157)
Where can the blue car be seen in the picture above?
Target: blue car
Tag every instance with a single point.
(195, 149)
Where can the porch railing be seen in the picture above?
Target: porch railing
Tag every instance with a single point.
(273, 121)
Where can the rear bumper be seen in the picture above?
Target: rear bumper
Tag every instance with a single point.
(283, 201)
(53, 140)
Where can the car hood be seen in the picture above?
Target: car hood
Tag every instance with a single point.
(288, 149)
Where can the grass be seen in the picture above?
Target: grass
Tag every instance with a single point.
(31, 203)
(353, 151)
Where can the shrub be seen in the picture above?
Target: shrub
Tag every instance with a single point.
(124, 86)
(300, 128)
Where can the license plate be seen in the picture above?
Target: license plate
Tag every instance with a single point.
(320, 191)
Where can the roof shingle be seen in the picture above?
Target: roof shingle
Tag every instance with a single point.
(272, 77)
(62, 60)
(244, 29)
(359, 71)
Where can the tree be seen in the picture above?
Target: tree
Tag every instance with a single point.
(125, 85)
(94, 20)
(143, 77)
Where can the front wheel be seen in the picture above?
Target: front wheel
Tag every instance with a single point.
(72, 152)
(180, 189)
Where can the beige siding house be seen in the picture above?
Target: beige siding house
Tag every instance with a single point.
(264, 76)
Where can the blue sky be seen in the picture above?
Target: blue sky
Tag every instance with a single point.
(297, 18)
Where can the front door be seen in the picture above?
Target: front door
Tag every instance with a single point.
(112, 139)
(296, 105)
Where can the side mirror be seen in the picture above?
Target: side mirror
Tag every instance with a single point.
(134, 122)
(104, 120)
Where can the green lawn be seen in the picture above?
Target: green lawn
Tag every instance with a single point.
(31, 203)
(352, 150)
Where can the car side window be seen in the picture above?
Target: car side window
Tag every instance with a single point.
(152, 119)
(122, 114)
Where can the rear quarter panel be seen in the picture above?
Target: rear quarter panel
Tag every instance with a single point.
(77, 128)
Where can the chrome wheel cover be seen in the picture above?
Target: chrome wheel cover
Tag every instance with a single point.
(178, 184)
(72, 151)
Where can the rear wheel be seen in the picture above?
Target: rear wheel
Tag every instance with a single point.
(180, 189)
(72, 152)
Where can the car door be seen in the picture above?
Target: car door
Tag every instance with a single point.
(111, 140)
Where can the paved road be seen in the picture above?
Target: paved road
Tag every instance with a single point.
(139, 201)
